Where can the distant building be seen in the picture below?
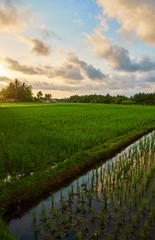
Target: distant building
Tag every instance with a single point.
(49, 101)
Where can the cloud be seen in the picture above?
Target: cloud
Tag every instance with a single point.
(133, 15)
(90, 71)
(102, 22)
(47, 32)
(117, 56)
(13, 17)
(147, 77)
(79, 22)
(16, 66)
(37, 46)
(72, 69)
(116, 84)
(68, 72)
(5, 79)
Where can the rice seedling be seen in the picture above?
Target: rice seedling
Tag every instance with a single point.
(69, 195)
(102, 216)
(84, 208)
(141, 234)
(72, 188)
(82, 196)
(42, 233)
(85, 223)
(43, 209)
(61, 192)
(134, 218)
(79, 236)
(92, 212)
(127, 231)
(96, 233)
(52, 198)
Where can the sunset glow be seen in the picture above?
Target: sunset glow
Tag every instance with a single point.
(79, 47)
(3, 72)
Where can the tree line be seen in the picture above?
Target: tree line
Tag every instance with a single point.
(18, 91)
(139, 98)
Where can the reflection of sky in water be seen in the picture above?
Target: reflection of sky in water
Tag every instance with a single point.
(23, 228)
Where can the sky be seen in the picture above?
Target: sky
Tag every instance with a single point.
(68, 47)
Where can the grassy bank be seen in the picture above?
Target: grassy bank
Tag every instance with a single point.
(66, 137)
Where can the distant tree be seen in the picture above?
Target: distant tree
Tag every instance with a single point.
(48, 96)
(17, 91)
(140, 98)
(39, 94)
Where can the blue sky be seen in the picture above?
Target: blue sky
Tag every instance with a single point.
(68, 47)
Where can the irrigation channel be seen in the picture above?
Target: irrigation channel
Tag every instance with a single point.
(113, 201)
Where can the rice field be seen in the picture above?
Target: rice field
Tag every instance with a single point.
(42, 142)
(115, 200)
(34, 136)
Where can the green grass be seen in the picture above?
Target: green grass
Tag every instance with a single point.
(36, 136)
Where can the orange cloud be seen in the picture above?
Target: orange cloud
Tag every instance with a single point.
(134, 15)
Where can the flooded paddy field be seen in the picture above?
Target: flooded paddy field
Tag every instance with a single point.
(115, 200)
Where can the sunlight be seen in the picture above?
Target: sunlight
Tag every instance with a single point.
(3, 72)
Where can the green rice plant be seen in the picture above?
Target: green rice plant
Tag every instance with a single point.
(84, 208)
(85, 223)
(144, 204)
(145, 227)
(102, 216)
(96, 233)
(77, 184)
(97, 175)
(92, 212)
(34, 215)
(52, 198)
(42, 232)
(59, 216)
(69, 195)
(127, 231)
(86, 183)
(124, 210)
(151, 217)
(59, 230)
(62, 202)
(76, 204)
(96, 187)
(135, 197)
(92, 179)
(105, 199)
(116, 228)
(78, 218)
(108, 237)
(43, 209)
(79, 236)
(72, 188)
(139, 211)
(101, 173)
(90, 196)
(134, 218)
(82, 196)
(120, 197)
(61, 192)
(141, 234)
(102, 182)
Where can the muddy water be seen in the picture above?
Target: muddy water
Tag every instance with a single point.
(69, 212)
